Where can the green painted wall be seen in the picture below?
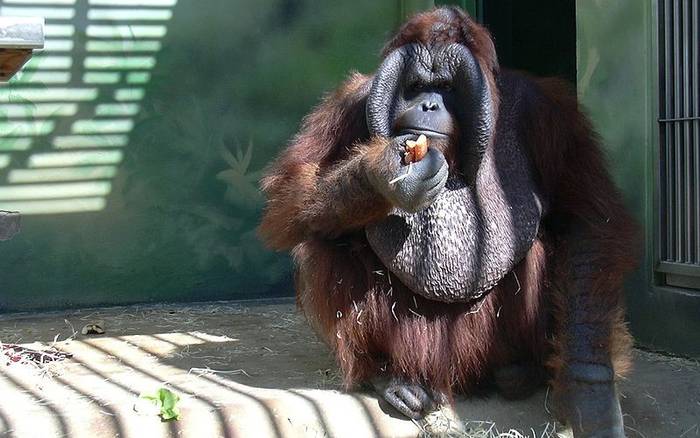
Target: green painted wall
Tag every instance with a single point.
(617, 83)
(160, 200)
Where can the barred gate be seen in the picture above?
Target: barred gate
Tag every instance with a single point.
(679, 130)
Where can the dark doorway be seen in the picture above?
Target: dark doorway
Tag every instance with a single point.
(538, 37)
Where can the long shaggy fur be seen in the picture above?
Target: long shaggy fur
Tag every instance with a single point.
(318, 204)
(375, 325)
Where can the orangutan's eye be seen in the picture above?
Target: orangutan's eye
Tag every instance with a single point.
(417, 86)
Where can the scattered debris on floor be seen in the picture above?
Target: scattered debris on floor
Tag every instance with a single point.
(19, 354)
(444, 424)
(206, 371)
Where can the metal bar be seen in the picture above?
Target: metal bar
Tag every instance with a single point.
(695, 85)
(679, 119)
(662, 235)
(677, 144)
(668, 130)
(687, 181)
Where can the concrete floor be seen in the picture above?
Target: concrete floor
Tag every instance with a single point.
(257, 370)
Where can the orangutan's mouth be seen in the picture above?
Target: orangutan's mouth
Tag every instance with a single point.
(426, 132)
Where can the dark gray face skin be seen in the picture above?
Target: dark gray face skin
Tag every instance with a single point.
(454, 242)
(427, 114)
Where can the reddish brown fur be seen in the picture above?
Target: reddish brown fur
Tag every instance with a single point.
(317, 206)
(368, 322)
(327, 136)
(448, 26)
(574, 178)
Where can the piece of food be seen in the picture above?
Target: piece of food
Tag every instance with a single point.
(416, 150)
(95, 328)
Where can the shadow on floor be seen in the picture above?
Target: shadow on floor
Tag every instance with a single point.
(260, 371)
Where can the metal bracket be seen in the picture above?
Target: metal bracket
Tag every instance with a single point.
(19, 37)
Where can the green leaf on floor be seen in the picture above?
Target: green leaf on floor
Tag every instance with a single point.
(166, 401)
